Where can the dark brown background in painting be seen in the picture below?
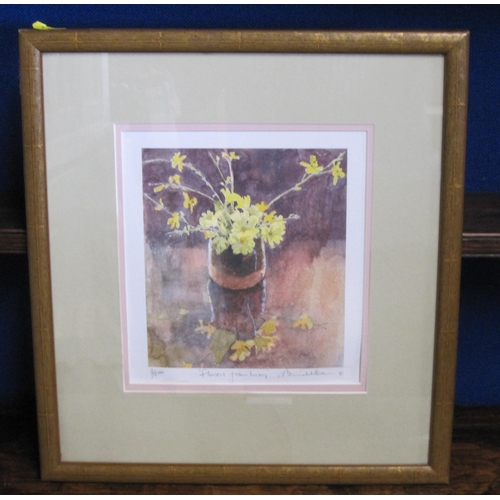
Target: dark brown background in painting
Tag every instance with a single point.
(260, 173)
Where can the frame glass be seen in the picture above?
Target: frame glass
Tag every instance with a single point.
(244, 253)
(225, 312)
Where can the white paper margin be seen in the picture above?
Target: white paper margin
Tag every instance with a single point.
(138, 376)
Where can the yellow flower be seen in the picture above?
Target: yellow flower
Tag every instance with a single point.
(242, 239)
(209, 219)
(304, 322)
(242, 350)
(337, 172)
(174, 179)
(231, 197)
(264, 343)
(253, 210)
(273, 234)
(231, 156)
(186, 365)
(159, 188)
(262, 206)
(312, 167)
(243, 202)
(268, 327)
(174, 220)
(219, 243)
(160, 205)
(245, 219)
(178, 161)
(270, 217)
(189, 202)
(207, 329)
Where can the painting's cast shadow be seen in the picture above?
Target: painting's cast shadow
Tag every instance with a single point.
(237, 311)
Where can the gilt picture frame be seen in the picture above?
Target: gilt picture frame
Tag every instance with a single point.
(351, 151)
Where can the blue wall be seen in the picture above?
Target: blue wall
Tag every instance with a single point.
(478, 377)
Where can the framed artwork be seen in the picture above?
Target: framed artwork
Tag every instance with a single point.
(248, 290)
(244, 252)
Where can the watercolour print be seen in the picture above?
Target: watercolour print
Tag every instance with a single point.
(242, 239)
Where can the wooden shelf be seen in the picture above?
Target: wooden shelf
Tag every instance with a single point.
(481, 235)
(475, 459)
(12, 223)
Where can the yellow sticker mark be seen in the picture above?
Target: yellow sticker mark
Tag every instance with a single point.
(37, 25)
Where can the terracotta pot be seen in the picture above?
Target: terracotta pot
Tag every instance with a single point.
(236, 271)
